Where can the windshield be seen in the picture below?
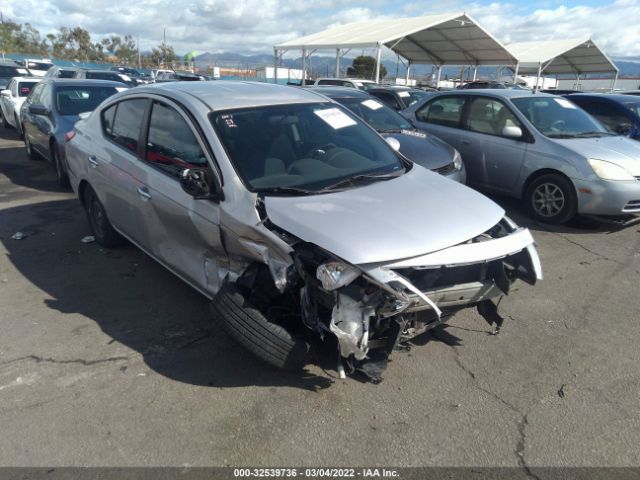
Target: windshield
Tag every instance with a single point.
(558, 117)
(409, 97)
(39, 65)
(366, 85)
(307, 147)
(75, 100)
(634, 107)
(376, 114)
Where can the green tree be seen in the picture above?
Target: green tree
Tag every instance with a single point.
(364, 66)
(163, 55)
(124, 49)
(19, 38)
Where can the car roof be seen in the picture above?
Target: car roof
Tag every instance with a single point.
(339, 92)
(614, 97)
(27, 79)
(81, 82)
(495, 92)
(231, 94)
(10, 63)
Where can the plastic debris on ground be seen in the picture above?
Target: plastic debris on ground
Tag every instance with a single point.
(88, 239)
(19, 235)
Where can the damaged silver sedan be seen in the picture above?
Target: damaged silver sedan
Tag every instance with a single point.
(299, 222)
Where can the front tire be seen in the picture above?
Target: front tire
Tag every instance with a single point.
(551, 198)
(101, 227)
(27, 144)
(251, 329)
(61, 173)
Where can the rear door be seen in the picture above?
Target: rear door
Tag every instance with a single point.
(6, 101)
(497, 159)
(184, 232)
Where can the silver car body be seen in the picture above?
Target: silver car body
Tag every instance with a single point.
(507, 165)
(12, 102)
(384, 232)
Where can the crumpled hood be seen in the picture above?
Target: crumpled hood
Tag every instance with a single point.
(417, 213)
(619, 150)
(423, 149)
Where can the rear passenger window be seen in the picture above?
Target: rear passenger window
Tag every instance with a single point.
(487, 115)
(126, 126)
(171, 144)
(445, 111)
(107, 120)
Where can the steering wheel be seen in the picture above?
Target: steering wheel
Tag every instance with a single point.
(557, 125)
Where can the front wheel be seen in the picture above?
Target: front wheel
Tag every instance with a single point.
(103, 231)
(551, 198)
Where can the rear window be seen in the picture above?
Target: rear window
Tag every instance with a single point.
(66, 73)
(39, 65)
(24, 88)
(73, 100)
(104, 76)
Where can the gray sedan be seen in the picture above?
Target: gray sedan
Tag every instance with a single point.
(541, 148)
(294, 216)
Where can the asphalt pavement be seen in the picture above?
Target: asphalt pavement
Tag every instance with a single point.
(107, 359)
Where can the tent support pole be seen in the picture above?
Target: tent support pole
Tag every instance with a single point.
(475, 72)
(575, 85)
(337, 63)
(515, 73)
(304, 67)
(406, 81)
(439, 74)
(538, 77)
(615, 80)
(275, 66)
(378, 56)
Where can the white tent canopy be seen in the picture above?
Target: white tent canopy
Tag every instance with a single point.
(446, 39)
(577, 56)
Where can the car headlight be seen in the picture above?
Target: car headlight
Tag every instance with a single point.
(334, 275)
(609, 171)
(457, 159)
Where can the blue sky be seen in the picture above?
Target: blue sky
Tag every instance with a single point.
(252, 26)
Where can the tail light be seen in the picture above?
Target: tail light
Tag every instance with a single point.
(69, 136)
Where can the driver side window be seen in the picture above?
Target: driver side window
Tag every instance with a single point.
(490, 116)
(171, 144)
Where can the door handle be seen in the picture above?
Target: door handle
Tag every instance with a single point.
(93, 161)
(144, 193)
(465, 142)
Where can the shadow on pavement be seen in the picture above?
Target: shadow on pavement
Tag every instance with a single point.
(134, 300)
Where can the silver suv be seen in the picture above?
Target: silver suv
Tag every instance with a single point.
(295, 217)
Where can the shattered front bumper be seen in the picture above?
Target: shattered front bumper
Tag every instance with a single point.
(465, 274)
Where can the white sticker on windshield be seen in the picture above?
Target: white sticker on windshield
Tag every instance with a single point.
(335, 118)
(414, 133)
(404, 94)
(121, 89)
(22, 71)
(564, 103)
(372, 104)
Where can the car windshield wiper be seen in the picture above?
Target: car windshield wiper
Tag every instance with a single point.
(287, 190)
(593, 134)
(560, 135)
(360, 177)
(393, 130)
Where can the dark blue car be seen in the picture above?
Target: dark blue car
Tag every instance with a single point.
(51, 110)
(619, 113)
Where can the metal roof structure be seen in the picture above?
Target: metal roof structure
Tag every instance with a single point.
(576, 55)
(444, 39)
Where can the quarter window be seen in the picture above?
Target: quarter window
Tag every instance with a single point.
(445, 111)
(127, 123)
(171, 144)
(487, 115)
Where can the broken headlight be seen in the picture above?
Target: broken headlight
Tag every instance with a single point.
(334, 275)
(457, 159)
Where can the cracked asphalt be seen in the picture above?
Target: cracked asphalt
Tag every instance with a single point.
(107, 359)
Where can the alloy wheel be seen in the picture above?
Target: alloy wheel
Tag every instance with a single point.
(548, 200)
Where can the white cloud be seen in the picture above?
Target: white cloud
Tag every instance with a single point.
(256, 25)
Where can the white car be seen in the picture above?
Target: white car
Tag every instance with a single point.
(359, 83)
(37, 67)
(12, 99)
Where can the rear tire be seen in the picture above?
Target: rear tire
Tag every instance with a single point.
(251, 329)
(5, 123)
(551, 198)
(101, 227)
(30, 151)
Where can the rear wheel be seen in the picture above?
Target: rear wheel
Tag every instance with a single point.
(551, 198)
(18, 127)
(61, 172)
(103, 231)
(27, 144)
(5, 123)
(251, 329)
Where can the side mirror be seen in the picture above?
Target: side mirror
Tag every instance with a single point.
(511, 131)
(38, 110)
(5, 93)
(196, 182)
(393, 143)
